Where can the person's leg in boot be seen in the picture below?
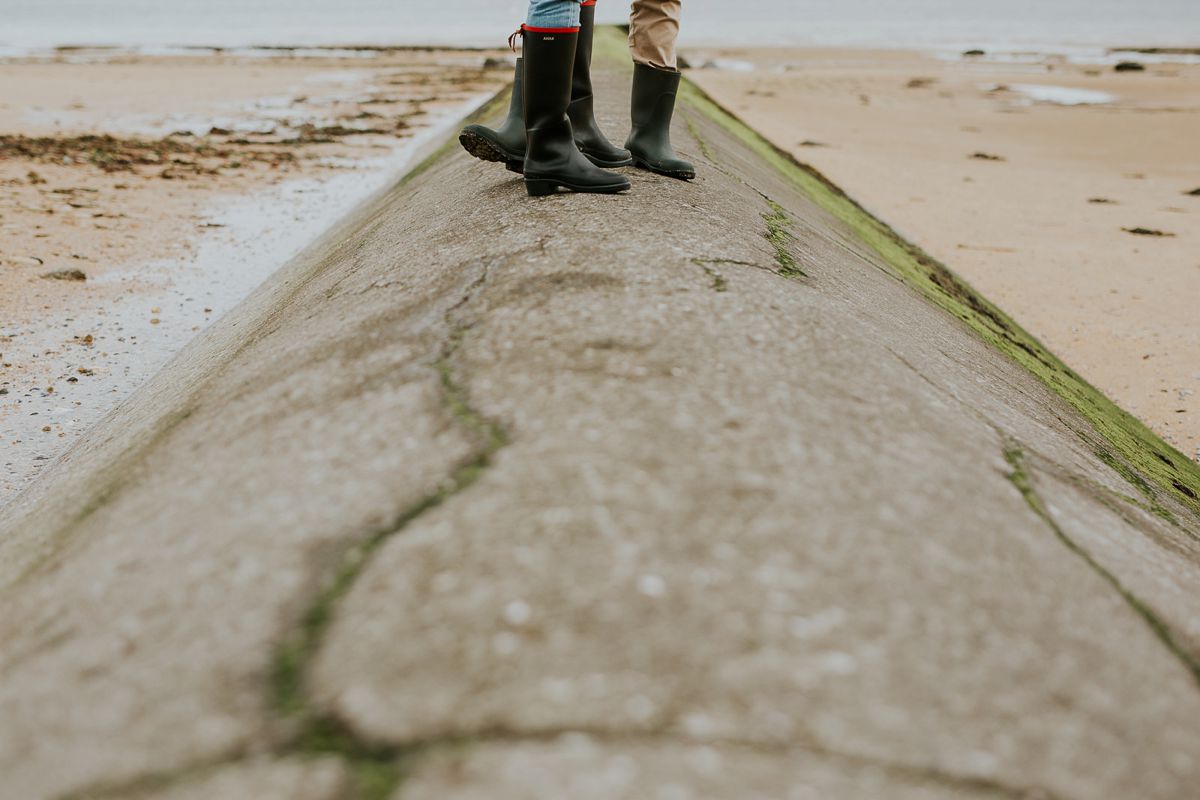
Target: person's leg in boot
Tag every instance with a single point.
(591, 140)
(653, 30)
(506, 144)
(552, 159)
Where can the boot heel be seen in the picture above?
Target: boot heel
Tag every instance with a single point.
(540, 188)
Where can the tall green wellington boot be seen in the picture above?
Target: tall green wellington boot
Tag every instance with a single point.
(654, 92)
(506, 144)
(552, 159)
(591, 140)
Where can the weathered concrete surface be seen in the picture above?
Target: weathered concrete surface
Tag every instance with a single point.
(290, 779)
(689, 472)
(581, 768)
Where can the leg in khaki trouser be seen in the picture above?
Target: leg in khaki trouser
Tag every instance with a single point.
(653, 29)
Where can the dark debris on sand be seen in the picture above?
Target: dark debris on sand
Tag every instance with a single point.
(116, 154)
(1147, 232)
(66, 275)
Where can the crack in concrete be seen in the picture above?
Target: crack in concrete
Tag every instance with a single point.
(719, 284)
(377, 771)
(778, 233)
(984, 787)
(1021, 478)
(1145, 452)
(1109, 497)
(701, 142)
(155, 781)
(780, 237)
(411, 754)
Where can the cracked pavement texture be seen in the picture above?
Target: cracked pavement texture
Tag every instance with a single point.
(289, 779)
(747, 537)
(581, 768)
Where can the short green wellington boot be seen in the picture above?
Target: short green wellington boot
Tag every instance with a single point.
(654, 92)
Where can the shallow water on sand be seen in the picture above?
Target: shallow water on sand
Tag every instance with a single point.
(1003, 23)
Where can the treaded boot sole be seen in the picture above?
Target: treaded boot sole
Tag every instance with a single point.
(683, 175)
(485, 149)
(540, 187)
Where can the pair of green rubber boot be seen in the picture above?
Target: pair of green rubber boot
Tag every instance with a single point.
(551, 134)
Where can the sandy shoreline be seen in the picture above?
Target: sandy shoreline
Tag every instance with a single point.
(143, 196)
(1044, 183)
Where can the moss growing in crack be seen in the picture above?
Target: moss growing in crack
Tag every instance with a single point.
(375, 771)
(719, 284)
(1020, 478)
(701, 142)
(293, 657)
(493, 436)
(781, 239)
(1167, 470)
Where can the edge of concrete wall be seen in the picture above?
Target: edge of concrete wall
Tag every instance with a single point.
(1143, 459)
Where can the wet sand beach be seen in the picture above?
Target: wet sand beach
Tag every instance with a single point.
(142, 196)
(1064, 191)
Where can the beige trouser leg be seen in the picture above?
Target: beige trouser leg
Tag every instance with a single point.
(653, 28)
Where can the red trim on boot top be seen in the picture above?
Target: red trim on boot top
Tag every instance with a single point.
(550, 30)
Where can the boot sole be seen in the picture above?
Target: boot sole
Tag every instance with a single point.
(670, 173)
(486, 150)
(541, 187)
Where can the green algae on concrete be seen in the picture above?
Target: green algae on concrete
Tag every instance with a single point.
(781, 239)
(1141, 449)
(1021, 479)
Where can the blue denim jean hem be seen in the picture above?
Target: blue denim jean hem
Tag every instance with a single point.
(553, 14)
